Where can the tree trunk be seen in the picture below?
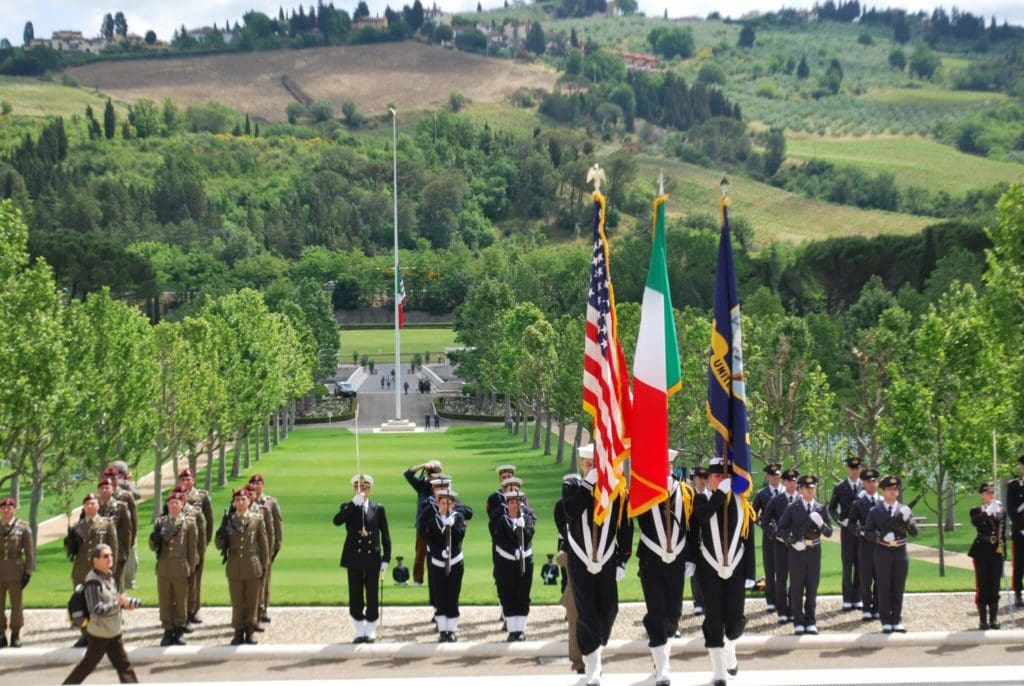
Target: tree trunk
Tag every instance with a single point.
(950, 524)
(560, 456)
(33, 509)
(573, 462)
(16, 488)
(157, 480)
(236, 455)
(536, 426)
(266, 437)
(526, 424)
(209, 463)
(547, 435)
(277, 426)
(255, 447)
(193, 460)
(940, 511)
(222, 479)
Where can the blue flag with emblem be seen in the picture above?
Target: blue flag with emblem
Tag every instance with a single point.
(727, 396)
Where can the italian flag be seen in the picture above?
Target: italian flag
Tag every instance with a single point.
(655, 379)
(400, 298)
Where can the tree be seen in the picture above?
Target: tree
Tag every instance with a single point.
(897, 59)
(535, 42)
(150, 37)
(574, 40)
(28, 35)
(107, 27)
(109, 120)
(353, 119)
(120, 25)
(832, 80)
(361, 12)
(628, 7)
(144, 118)
(322, 111)
(674, 42)
(900, 28)
(294, 110)
(747, 36)
(774, 151)
(923, 62)
(802, 70)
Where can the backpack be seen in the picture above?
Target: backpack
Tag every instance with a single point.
(78, 609)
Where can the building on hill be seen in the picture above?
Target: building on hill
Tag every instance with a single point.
(637, 61)
(380, 23)
(203, 35)
(437, 16)
(71, 41)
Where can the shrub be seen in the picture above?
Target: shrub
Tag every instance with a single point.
(456, 100)
(69, 80)
(5, 107)
(213, 117)
(295, 110)
(865, 39)
(769, 89)
(711, 73)
(321, 111)
(353, 119)
(898, 60)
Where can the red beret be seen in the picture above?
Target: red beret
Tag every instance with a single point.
(89, 496)
(181, 489)
(176, 495)
(8, 501)
(187, 471)
(240, 492)
(105, 481)
(256, 479)
(111, 471)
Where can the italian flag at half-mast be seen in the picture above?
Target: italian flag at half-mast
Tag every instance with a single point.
(656, 377)
(400, 297)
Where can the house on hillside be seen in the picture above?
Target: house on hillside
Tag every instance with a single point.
(638, 61)
(204, 35)
(437, 16)
(380, 23)
(71, 41)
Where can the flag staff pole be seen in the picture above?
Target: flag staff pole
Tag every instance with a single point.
(398, 347)
(725, 445)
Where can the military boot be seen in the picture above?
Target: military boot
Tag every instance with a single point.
(15, 640)
(983, 617)
(993, 613)
(238, 639)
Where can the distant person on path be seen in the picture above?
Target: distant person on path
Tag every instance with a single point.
(419, 477)
(549, 571)
(400, 573)
(437, 421)
(366, 555)
(382, 383)
(989, 519)
(508, 424)
(17, 563)
(426, 421)
(103, 632)
(405, 387)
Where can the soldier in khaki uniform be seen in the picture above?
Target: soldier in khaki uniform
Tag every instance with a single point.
(199, 519)
(175, 541)
(272, 509)
(199, 499)
(128, 497)
(117, 511)
(17, 562)
(242, 539)
(90, 531)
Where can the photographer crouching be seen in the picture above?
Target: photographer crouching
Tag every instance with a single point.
(103, 632)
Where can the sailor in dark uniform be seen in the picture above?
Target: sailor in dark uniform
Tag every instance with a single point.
(699, 474)
(889, 523)
(443, 529)
(666, 555)
(802, 525)
(868, 498)
(505, 471)
(366, 555)
(772, 514)
(1015, 510)
(773, 472)
(597, 562)
(512, 525)
(988, 552)
(726, 565)
(843, 495)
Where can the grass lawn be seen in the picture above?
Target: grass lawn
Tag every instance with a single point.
(51, 98)
(379, 344)
(933, 96)
(775, 214)
(309, 473)
(913, 161)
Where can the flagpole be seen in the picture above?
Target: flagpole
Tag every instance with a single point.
(398, 347)
(725, 445)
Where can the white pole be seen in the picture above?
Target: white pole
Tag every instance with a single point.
(359, 463)
(398, 348)
(995, 467)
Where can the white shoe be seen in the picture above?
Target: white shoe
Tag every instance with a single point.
(812, 630)
(732, 665)
(661, 668)
(798, 629)
(887, 628)
(698, 610)
(847, 606)
(866, 616)
(858, 605)
(415, 583)
(899, 628)
(592, 668)
(371, 631)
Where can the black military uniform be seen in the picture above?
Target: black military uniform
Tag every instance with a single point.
(497, 498)
(865, 548)
(549, 571)
(802, 525)
(366, 554)
(988, 552)
(400, 573)
(772, 513)
(597, 556)
(726, 566)
(666, 554)
(698, 473)
(888, 526)
(843, 495)
(1015, 510)
(443, 533)
(512, 538)
(760, 505)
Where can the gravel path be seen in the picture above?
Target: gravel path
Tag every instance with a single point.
(922, 612)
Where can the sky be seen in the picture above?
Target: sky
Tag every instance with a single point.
(164, 17)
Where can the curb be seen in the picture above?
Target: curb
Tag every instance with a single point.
(481, 649)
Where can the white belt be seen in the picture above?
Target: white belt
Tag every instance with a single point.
(724, 571)
(665, 556)
(593, 566)
(509, 556)
(441, 563)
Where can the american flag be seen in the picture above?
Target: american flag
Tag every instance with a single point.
(605, 378)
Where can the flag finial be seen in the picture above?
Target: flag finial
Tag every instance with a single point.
(661, 182)
(595, 175)
(725, 186)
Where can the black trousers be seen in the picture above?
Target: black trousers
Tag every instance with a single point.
(723, 605)
(988, 572)
(768, 559)
(868, 579)
(851, 565)
(364, 594)
(597, 603)
(781, 577)
(804, 573)
(513, 587)
(94, 652)
(891, 566)
(445, 588)
(1018, 563)
(695, 592)
(663, 593)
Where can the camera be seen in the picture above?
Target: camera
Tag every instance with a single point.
(133, 603)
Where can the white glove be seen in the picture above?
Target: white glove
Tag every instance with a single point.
(799, 545)
(690, 568)
(383, 567)
(748, 584)
(449, 520)
(992, 508)
(620, 572)
(725, 486)
(816, 518)
(889, 537)
(591, 477)
(844, 522)
(358, 499)
(520, 522)
(905, 512)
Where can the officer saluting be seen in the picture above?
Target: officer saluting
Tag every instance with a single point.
(366, 555)
(17, 563)
(988, 551)
(760, 504)
(888, 526)
(802, 525)
(843, 495)
(666, 555)
(867, 499)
